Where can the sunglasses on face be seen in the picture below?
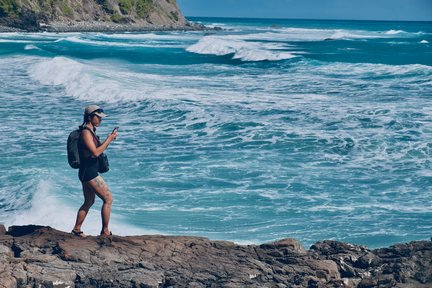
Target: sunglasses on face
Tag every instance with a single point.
(100, 110)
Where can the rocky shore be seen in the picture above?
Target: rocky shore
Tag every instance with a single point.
(61, 27)
(37, 256)
(107, 27)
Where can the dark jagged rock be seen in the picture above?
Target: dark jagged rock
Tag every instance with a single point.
(17, 231)
(37, 256)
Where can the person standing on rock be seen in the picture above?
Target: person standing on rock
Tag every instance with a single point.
(90, 148)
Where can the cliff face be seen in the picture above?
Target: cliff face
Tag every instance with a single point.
(36, 256)
(35, 15)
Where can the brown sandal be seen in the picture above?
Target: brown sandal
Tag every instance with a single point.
(78, 233)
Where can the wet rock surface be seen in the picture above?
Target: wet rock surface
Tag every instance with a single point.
(38, 256)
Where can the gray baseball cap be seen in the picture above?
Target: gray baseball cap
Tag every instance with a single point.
(94, 109)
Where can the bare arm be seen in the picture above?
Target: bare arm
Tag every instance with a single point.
(96, 151)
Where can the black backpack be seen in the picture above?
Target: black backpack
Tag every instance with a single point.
(72, 148)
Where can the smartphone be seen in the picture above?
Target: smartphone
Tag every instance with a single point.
(115, 130)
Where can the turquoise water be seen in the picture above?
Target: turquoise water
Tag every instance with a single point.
(268, 129)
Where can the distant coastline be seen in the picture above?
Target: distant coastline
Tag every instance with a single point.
(191, 23)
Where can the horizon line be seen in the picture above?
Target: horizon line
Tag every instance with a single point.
(312, 19)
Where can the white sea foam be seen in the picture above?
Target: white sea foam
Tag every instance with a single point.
(243, 50)
(149, 36)
(35, 38)
(218, 24)
(76, 39)
(48, 210)
(362, 69)
(31, 47)
(101, 82)
(149, 40)
(15, 41)
(394, 32)
(372, 207)
(74, 76)
(246, 242)
(91, 81)
(249, 47)
(302, 34)
(424, 42)
(331, 208)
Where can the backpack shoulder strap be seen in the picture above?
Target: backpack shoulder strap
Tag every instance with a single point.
(94, 135)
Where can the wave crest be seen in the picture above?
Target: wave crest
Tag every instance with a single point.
(81, 81)
(243, 50)
(101, 82)
(394, 32)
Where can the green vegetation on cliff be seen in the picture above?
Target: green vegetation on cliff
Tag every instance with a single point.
(143, 7)
(106, 6)
(66, 10)
(174, 15)
(125, 6)
(9, 8)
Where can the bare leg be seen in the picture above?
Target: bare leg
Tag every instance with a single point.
(89, 198)
(102, 191)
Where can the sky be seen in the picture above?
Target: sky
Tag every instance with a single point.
(407, 10)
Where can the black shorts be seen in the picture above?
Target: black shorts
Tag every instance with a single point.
(89, 169)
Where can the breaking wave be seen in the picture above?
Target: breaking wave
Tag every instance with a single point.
(243, 50)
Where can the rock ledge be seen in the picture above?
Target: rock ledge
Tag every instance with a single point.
(39, 256)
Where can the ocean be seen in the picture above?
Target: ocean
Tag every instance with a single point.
(267, 129)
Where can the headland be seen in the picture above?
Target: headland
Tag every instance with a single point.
(93, 16)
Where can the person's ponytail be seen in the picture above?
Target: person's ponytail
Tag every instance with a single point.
(85, 121)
